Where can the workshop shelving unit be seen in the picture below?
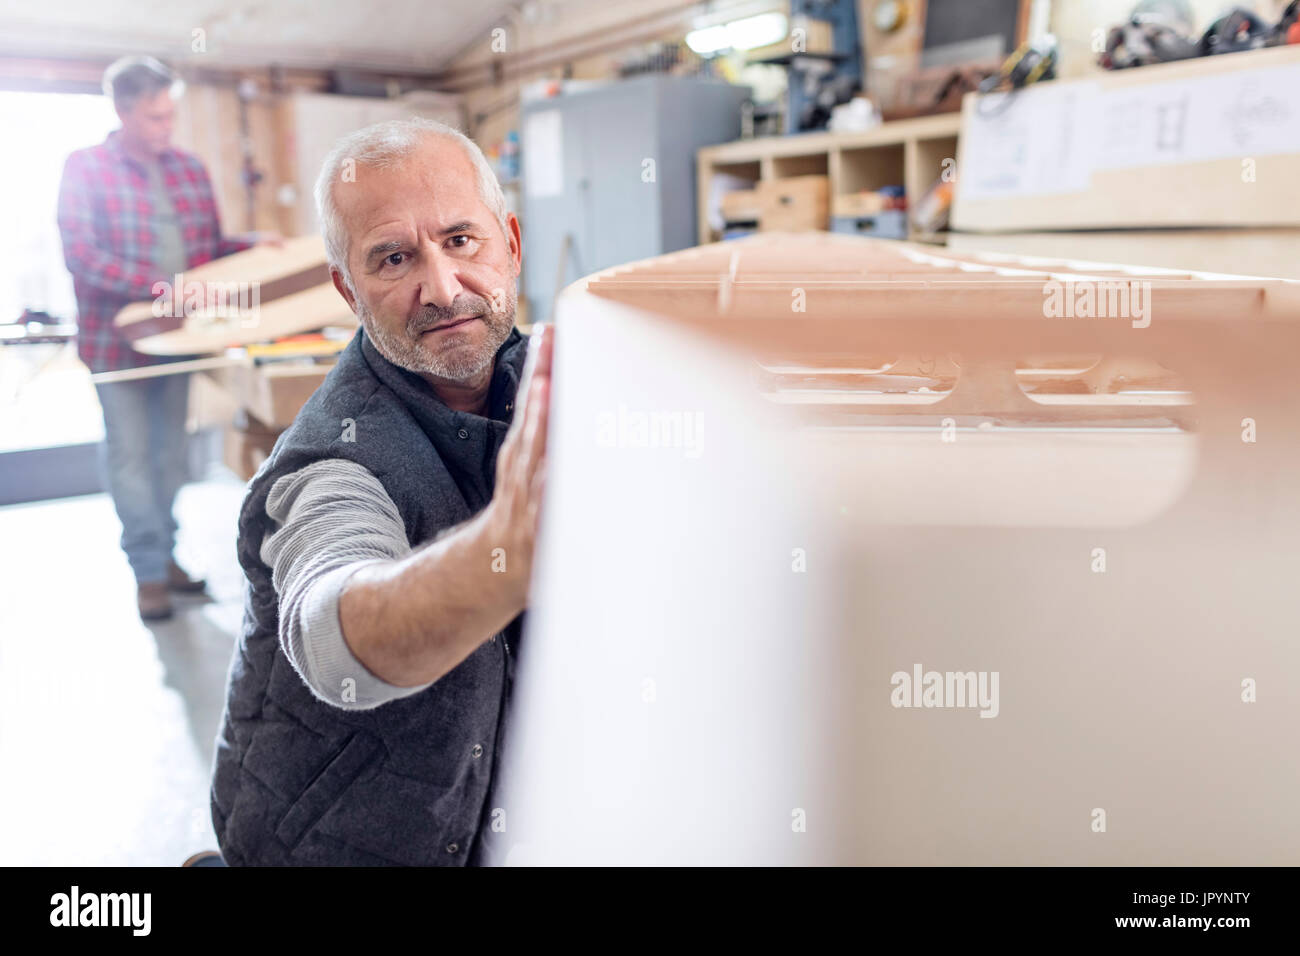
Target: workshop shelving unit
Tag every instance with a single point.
(907, 152)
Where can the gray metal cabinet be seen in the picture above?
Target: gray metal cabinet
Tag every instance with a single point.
(587, 182)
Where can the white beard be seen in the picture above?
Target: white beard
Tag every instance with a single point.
(458, 363)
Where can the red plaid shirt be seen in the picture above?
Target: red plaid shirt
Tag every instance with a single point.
(106, 218)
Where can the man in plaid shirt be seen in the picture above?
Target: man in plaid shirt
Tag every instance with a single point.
(134, 211)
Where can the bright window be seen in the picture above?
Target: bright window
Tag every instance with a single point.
(46, 397)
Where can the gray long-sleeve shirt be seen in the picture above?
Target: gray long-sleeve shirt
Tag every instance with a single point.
(332, 518)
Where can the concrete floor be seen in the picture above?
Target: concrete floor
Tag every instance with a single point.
(106, 724)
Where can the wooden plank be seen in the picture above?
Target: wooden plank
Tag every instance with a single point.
(315, 308)
(168, 368)
(858, 297)
(280, 292)
(1256, 252)
(808, 144)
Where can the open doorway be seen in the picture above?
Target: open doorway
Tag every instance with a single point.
(47, 401)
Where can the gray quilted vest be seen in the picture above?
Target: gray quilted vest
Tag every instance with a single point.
(297, 781)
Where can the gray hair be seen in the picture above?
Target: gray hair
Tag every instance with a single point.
(383, 145)
(133, 77)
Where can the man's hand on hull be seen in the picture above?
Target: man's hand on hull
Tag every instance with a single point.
(514, 515)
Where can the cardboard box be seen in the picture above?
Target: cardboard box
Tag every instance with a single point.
(247, 444)
(273, 392)
(794, 204)
(212, 404)
(742, 205)
(858, 205)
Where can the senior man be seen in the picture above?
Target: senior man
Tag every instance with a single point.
(388, 539)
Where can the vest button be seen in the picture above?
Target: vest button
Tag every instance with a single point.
(463, 433)
(452, 847)
(476, 751)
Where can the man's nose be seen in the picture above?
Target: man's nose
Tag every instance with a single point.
(439, 281)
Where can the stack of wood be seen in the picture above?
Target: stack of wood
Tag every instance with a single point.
(267, 325)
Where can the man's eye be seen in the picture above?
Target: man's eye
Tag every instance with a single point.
(457, 238)
(388, 259)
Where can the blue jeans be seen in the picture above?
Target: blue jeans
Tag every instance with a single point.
(144, 462)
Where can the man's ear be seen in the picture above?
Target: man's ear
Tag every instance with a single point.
(515, 240)
(337, 278)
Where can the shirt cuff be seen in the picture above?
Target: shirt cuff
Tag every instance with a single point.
(333, 671)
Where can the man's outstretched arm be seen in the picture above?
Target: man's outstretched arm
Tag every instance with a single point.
(413, 620)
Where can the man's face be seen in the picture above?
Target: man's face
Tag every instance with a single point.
(433, 272)
(149, 121)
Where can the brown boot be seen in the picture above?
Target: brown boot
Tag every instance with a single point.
(178, 580)
(151, 597)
